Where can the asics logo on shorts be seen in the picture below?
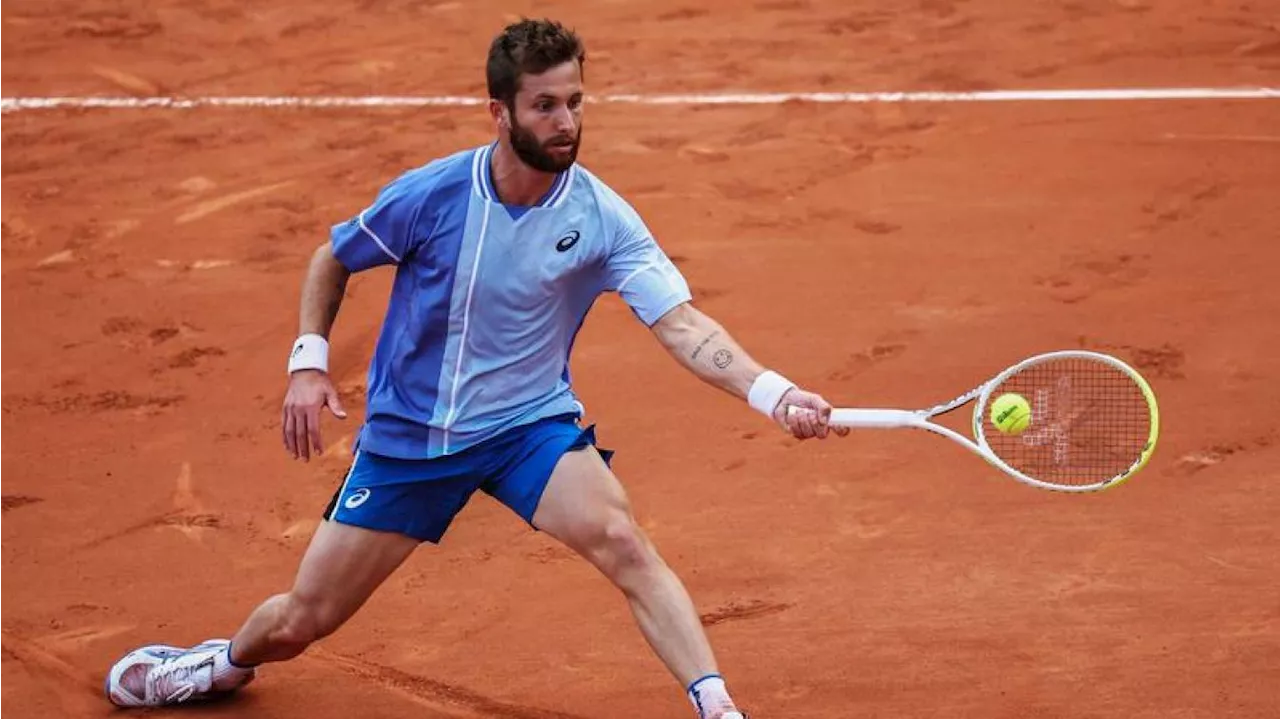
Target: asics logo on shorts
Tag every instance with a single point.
(355, 500)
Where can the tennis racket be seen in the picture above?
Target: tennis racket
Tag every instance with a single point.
(1094, 421)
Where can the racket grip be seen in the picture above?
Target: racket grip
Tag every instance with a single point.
(871, 418)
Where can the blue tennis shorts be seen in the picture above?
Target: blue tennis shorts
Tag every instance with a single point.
(420, 497)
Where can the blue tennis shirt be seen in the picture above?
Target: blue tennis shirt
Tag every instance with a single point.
(488, 298)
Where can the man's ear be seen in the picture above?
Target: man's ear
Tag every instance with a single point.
(498, 110)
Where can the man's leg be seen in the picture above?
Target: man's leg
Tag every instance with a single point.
(341, 569)
(585, 507)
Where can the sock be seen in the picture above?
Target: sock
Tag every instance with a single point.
(226, 673)
(710, 697)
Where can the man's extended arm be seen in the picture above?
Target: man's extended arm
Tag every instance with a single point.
(705, 348)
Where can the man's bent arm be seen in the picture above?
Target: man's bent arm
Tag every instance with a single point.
(705, 348)
(322, 292)
(310, 388)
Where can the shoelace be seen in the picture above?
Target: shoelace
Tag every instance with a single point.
(178, 678)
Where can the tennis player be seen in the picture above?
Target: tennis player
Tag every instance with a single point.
(499, 252)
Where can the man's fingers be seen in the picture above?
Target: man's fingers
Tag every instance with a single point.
(335, 405)
(801, 423)
(797, 415)
(824, 415)
(791, 420)
(813, 421)
(287, 430)
(819, 419)
(300, 434)
(313, 430)
(810, 424)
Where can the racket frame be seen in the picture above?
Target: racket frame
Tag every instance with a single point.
(921, 419)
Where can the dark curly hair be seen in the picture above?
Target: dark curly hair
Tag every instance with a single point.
(528, 46)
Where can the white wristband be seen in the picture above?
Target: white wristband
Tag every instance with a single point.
(766, 392)
(310, 351)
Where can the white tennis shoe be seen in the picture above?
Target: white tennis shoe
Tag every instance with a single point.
(162, 675)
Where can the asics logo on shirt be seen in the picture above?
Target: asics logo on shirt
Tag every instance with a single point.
(564, 244)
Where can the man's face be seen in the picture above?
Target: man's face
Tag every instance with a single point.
(546, 120)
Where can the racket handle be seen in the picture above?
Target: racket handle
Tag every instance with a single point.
(871, 418)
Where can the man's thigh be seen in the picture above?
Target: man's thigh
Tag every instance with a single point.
(344, 565)
(531, 461)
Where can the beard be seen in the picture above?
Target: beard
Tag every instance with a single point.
(534, 153)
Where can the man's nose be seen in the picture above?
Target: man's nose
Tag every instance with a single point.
(565, 122)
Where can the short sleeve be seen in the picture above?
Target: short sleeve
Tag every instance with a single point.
(639, 270)
(383, 233)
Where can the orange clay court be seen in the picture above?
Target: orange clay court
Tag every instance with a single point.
(884, 254)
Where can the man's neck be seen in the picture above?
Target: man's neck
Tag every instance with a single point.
(515, 182)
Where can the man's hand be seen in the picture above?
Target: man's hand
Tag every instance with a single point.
(812, 418)
(309, 392)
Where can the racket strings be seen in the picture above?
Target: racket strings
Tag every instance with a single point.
(1090, 422)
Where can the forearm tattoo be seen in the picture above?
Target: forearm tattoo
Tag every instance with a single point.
(722, 358)
(698, 350)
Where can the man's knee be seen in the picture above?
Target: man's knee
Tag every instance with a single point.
(306, 619)
(620, 547)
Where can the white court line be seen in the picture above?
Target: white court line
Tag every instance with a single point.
(14, 104)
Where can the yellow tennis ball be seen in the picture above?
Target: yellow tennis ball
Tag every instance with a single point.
(1011, 413)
